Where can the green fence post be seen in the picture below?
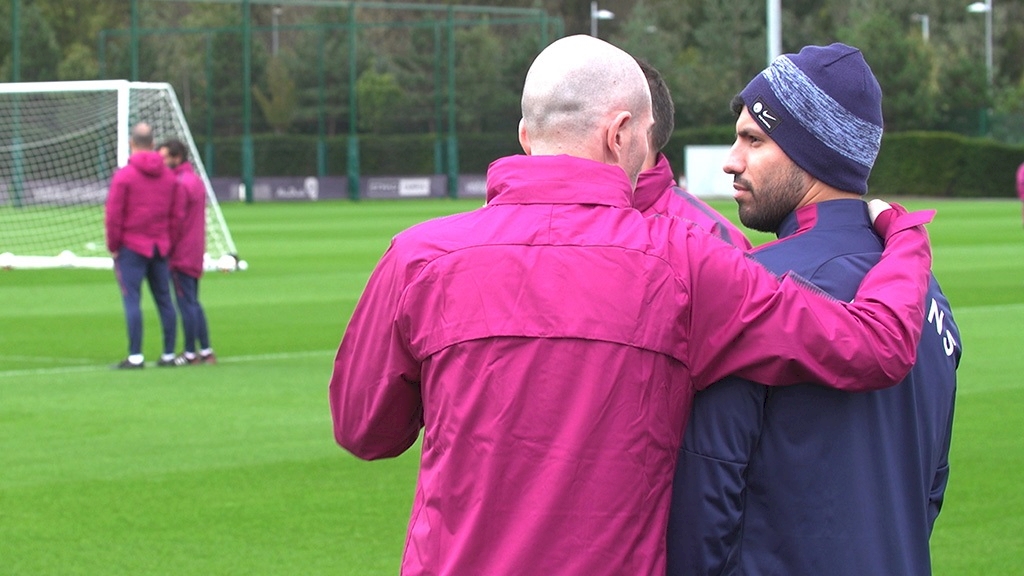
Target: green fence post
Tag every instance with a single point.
(438, 104)
(16, 145)
(353, 136)
(135, 40)
(101, 53)
(453, 141)
(208, 75)
(18, 153)
(16, 41)
(321, 146)
(248, 167)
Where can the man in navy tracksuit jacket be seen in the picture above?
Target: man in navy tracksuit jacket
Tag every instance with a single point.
(803, 480)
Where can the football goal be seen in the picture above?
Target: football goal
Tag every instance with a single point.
(60, 143)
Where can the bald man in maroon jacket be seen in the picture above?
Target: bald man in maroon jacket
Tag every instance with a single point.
(142, 206)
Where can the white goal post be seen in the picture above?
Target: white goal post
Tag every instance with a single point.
(60, 143)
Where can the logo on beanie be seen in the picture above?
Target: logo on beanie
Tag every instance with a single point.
(765, 116)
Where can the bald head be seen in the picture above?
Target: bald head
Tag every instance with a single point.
(573, 88)
(142, 137)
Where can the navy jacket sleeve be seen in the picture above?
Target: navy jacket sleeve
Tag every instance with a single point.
(712, 466)
(938, 490)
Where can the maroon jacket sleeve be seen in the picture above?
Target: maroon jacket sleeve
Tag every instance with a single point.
(179, 206)
(375, 398)
(745, 322)
(114, 212)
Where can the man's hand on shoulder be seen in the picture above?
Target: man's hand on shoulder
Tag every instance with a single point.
(884, 217)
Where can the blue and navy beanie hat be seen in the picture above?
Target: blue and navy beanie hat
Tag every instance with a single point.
(823, 107)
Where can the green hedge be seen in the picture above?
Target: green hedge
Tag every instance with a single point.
(934, 164)
(945, 165)
(286, 155)
(675, 150)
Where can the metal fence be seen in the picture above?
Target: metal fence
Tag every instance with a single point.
(326, 68)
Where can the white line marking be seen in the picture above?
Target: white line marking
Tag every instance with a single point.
(107, 367)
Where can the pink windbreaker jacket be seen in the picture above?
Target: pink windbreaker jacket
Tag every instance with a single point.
(141, 206)
(657, 193)
(189, 233)
(549, 345)
(1020, 181)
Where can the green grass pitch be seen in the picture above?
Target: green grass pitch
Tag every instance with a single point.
(232, 469)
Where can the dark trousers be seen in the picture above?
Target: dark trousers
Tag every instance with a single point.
(131, 268)
(193, 319)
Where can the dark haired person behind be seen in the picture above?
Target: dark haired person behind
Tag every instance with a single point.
(187, 255)
(656, 188)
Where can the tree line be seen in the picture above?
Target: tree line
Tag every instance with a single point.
(422, 68)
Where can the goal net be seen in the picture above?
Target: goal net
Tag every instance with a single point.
(60, 143)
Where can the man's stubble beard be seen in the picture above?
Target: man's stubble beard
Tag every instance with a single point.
(769, 204)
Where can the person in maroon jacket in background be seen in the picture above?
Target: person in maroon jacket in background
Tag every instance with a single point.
(656, 189)
(1020, 183)
(189, 241)
(141, 206)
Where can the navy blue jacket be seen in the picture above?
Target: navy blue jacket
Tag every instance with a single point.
(804, 480)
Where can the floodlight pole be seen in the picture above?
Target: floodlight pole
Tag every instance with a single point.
(274, 38)
(986, 8)
(923, 19)
(774, 15)
(596, 15)
(988, 43)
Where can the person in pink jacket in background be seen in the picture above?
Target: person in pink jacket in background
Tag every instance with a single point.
(1020, 187)
(142, 206)
(656, 189)
(549, 343)
(187, 255)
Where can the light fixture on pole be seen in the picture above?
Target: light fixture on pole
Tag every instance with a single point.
(274, 43)
(986, 9)
(923, 19)
(596, 15)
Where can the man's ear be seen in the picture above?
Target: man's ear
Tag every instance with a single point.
(615, 137)
(524, 140)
